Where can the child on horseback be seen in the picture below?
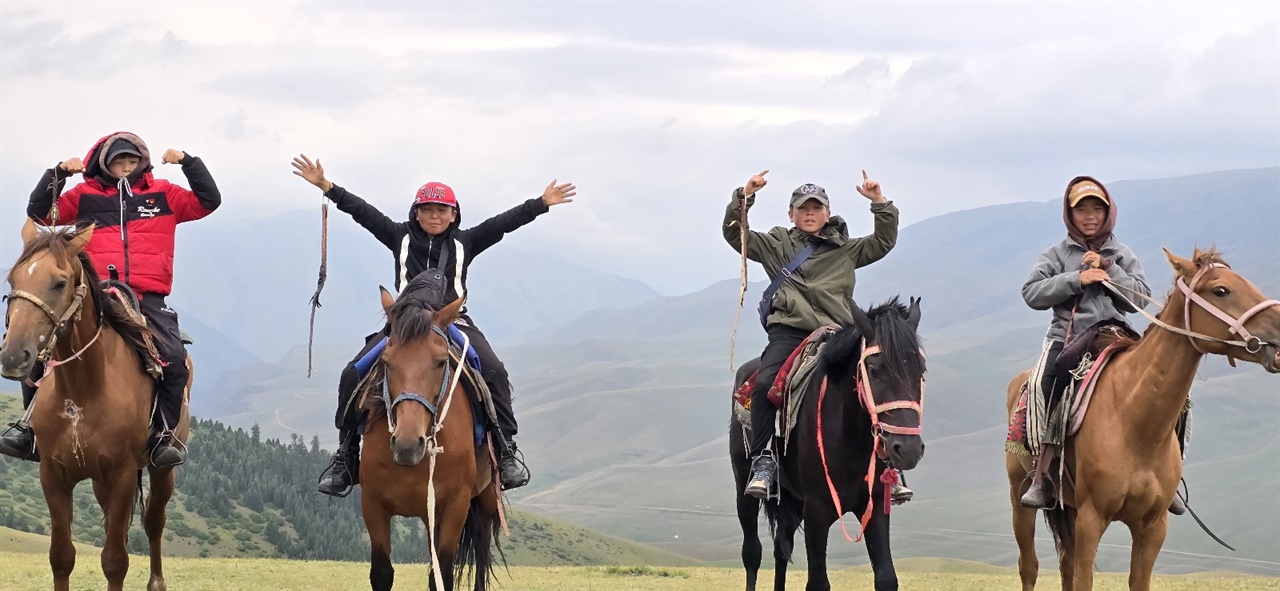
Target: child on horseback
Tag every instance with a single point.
(817, 293)
(136, 216)
(431, 239)
(1068, 278)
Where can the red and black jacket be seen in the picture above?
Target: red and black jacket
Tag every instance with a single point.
(134, 231)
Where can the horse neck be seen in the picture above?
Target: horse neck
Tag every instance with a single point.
(842, 406)
(1157, 374)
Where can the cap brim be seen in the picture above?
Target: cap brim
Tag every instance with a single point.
(801, 201)
(1099, 196)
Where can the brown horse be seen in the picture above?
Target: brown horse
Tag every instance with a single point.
(1124, 464)
(92, 409)
(453, 492)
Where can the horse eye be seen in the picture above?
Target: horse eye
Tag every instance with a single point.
(1221, 292)
(61, 285)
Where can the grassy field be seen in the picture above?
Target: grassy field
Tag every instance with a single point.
(23, 572)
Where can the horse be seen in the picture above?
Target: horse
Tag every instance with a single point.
(859, 417)
(463, 525)
(1124, 462)
(92, 411)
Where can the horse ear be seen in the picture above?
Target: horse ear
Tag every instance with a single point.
(29, 232)
(387, 299)
(913, 314)
(449, 313)
(864, 323)
(81, 238)
(1181, 266)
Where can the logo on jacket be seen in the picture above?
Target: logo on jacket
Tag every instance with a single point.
(148, 212)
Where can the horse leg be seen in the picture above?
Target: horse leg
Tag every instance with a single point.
(817, 524)
(1147, 540)
(1024, 531)
(62, 553)
(878, 550)
(450, 519)
(1089, 526)
(378, 523)
(748, 518)
(154, 519)
(116, 498)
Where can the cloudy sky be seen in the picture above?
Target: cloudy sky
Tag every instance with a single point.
(657, 111)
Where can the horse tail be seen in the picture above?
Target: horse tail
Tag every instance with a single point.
(141, 501)
(1062, 523)
(477, 545)
(784, 514)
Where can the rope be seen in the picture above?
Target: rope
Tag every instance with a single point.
(324, 265)
(434, 450)
(742, 275)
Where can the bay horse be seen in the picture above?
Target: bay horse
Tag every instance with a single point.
(859, 416)
(1124, 461)
(91, 414)
(463, 524)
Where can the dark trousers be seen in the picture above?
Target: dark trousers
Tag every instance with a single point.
(491, 369)
(783, 341)
(1052, 382)
(164, 321)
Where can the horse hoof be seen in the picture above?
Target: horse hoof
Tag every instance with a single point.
(156, 584)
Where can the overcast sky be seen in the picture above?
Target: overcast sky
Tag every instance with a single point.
(657, 111)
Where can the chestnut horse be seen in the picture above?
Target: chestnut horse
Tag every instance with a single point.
(1123, 463)
(453, 492)
(92, 410)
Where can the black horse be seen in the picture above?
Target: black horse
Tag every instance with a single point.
(891, 364)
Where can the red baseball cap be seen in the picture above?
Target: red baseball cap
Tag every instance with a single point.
(435, 193)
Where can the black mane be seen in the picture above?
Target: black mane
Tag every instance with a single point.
(899, 345)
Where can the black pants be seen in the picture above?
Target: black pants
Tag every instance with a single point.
(491, 368)
(1052, 385)
(783, 341)
(164, 321)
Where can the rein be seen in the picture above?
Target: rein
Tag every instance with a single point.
(878, 429)
(1250, 343)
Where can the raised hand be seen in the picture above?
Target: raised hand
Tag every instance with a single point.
(870, 189)
(172, 156)
(72, 165)
(311, 172)
(755, 183)
(556, 194)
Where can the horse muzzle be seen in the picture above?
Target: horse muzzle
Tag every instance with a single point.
(16, 362)
(408, 451)
(903, 451)
(1270, 358)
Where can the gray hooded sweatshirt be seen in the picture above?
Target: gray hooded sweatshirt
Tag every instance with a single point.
(1055, 281)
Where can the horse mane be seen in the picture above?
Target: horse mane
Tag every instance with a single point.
(1203, 259)
(898, 342)
(57, 244)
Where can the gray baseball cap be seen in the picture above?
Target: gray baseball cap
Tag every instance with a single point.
(809, 191)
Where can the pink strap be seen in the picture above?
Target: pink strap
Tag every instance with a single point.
(49, 365)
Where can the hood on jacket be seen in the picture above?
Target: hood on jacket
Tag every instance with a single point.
(95, 161)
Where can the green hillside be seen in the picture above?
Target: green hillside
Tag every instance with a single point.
(241, 497)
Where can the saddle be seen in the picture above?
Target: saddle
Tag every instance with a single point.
(788, 388)
(128, 301)
(1083, 359)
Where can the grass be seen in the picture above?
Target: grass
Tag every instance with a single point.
(22, 572)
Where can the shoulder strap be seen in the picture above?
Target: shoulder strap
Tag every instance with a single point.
(766, 302)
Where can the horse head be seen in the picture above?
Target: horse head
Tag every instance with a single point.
(890, 378)
(1218, 303)
(417, 371)
(48, 285)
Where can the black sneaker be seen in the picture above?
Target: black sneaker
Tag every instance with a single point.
(19, 442)
(511, 469)
(764, 472)
(1039, 496)
(166, 455)
(339, 479)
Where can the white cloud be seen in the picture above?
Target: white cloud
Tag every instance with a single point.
(656, 110)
